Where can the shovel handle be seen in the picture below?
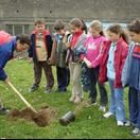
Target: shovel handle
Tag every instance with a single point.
(21, 97)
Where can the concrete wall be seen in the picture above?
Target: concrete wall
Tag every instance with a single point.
(26, 11)
(103, 9)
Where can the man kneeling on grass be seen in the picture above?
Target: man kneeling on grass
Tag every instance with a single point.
(8, 44)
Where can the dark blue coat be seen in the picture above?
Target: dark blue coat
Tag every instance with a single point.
(48, 42)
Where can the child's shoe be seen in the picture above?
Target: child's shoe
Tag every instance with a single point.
(77, 100)
(48, 90)
(4, 111)
(33, 88)
(120, 123)
(108, 115)
(72, 98)
(102, 108)
(136, 132)
(127, 123)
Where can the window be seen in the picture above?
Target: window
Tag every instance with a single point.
(17, 29)
(9, 29)
(26, 29)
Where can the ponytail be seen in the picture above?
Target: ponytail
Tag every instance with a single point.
(84, 27)
(125, 36)
(102, 33)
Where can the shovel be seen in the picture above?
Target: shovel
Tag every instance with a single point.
(22, 98)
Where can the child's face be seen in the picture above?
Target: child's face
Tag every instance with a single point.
(21, 47)
(135, 37)
(75, 29)
(94, 32)
(40, 28)
(113, 36)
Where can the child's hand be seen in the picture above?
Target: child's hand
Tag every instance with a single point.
(68, 45)
(49, 61)
(89, 65)
(6, 81)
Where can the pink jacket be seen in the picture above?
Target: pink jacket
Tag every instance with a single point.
(94, 46)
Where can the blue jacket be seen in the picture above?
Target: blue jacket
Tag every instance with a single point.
(48, 42)
(131, 70)
(6, 53)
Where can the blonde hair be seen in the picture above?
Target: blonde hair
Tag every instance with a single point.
(97, 25)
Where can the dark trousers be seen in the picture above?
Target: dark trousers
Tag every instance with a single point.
(134, 106)
(93, 77)
(63, 78)
(1, 104)
(38, 66)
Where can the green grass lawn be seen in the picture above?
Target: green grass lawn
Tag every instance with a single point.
(89, 122)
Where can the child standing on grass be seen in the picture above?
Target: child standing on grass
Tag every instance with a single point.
(58, 56)
(8, 44)
(74, 56)
(40, 51)
(131, 76)
(114, 54)
(94, 46)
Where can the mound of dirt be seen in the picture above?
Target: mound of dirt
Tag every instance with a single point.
(43, 118)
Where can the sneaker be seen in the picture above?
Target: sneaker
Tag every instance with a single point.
(33, 88)
(136, 132)
(4, 111)
(127, 124)
(120, 123)
(102, 108)
(77, 100)
(108, 115)
(72, 98)
(47, 91)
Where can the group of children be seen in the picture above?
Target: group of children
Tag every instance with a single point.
(114, 57)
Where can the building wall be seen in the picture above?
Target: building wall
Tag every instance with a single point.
(25, 12)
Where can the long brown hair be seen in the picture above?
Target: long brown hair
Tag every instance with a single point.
(84, 28)
(117, 29)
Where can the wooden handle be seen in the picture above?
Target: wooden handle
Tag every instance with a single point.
(21, 97)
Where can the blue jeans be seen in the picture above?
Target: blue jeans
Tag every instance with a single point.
(134, 106)
(117, 102)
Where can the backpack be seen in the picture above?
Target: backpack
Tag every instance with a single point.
(4, 37)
